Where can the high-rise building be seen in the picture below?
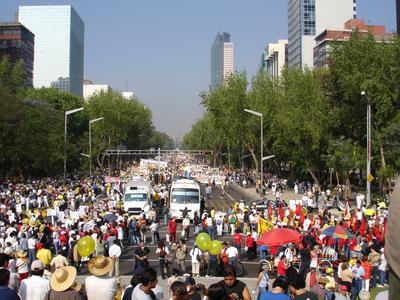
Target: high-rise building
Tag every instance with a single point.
(59, 44)
(275, 58)
(221, 59)
(324, 40)
(308, 18)
(17, 42)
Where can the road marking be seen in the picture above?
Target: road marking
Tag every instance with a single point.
(188, 260)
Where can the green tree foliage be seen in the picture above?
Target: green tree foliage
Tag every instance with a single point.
(314, 121)
(30, 130)
(32, 126)
(126, 122)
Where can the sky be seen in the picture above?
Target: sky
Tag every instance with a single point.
(160, 49)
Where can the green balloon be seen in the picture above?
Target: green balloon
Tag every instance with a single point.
(216, 247)
(203, 241)
(86, 246)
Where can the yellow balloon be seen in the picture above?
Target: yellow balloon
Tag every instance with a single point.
(215, 247)
(26, 221)
(86, 246)
(203, 241)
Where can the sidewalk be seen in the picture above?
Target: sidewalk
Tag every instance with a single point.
(254, 196)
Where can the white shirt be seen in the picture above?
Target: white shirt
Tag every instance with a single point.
(193, 253)
(120, 233)
(186, 223)
(232, 252)
(139, 294)
(32, 243)
(114, 250)
(154, 227)
(34, 288)
(101, 287)
(165, 249)
(306, 224)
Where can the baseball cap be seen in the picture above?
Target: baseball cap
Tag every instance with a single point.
(37, 265)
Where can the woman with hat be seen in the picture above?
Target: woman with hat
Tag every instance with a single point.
(99, 285)
(63, 285)
(22, 265)
(262, 280)
(331, 285)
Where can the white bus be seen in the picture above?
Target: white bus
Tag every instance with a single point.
(185, 193)
(137, 197)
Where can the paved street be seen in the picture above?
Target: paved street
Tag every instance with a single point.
(233, 193)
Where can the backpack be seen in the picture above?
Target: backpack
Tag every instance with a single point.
(225, 257)
(163, 253)
(313, 279)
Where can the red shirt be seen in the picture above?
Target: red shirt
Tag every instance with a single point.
(367, 269)
(237, 238)
(172, 226)
(281, 269)
(249, 241)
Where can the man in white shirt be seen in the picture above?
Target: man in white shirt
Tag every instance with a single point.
(186, 227)
(115, 252)
(34, 287)
(195, 253)
(306, 224)
(233, 254)
(99, 285)
(144, 291)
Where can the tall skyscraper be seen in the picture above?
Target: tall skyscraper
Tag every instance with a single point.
(59, 44)
(308, 18)
(17, 43)
(221, 59)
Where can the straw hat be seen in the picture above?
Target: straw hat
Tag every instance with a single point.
(64, 278)
(100, 265)
(323, 280)
(357, 248)
(22, 253)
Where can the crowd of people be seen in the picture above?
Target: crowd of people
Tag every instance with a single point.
(42, 221)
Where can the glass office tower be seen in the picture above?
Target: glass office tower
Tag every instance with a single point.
(221, 59)
(59, 46)
(307, 19)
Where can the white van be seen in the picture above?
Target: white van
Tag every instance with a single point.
(137, 197)
(184, 193)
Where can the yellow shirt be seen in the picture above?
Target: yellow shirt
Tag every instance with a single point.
(331, 284)
(44, 255)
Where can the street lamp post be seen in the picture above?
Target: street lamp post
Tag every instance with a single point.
(67, 113)
(262, 142)
(369, 157)
(90, 142)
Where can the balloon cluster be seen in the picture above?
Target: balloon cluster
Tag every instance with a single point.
(204, 242)
(86, 246)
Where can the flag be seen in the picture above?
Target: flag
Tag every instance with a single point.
(263, 226)
(298, 209)
(270, 210)
(363, 227)
(280, 212)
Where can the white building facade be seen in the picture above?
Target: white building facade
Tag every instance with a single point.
(275, 58)
(59, 46)
(221, 59)
(91, 89)
(307, 19)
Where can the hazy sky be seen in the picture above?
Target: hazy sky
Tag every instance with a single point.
(161, 49)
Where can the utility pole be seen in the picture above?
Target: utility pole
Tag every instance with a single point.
(398, 15)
